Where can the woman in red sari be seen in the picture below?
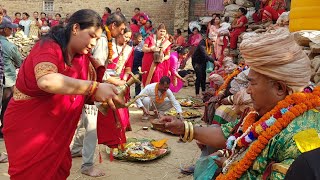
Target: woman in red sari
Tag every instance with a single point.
(122, 61)
(155, 70)
(238, 28)
(270, 10)
(52, 86)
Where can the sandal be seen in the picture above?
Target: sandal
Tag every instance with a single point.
(3, 157)
(187, 170)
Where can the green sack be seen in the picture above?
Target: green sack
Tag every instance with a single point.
(205, 168)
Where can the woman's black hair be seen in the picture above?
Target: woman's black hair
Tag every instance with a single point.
(58, 14)
(85, 18)
(119, 9)
(212, 20)
(179, 31)
(21, 27)
(117, 18)
(134, 21)
(108, 10)
(26, 14)
(127, 29)
(195, 28)
(15, 14)
(182, 50)
(149, 22)
(243, 10)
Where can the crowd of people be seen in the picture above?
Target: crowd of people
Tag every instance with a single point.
(256, 106)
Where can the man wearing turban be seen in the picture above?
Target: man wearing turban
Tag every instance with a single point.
(284, 104)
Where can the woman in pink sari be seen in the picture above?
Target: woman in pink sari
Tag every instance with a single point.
(155, 43)
(122, 61)
(175, 61)
(52, 86)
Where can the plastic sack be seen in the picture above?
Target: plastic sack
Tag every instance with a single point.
(210, 67)
(205, 168)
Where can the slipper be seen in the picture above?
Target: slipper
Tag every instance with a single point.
(75, 155)
(3, 157)
(187, 170)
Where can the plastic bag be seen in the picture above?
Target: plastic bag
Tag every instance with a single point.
(206, 167)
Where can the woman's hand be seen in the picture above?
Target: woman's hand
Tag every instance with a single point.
(174, 125)
(220, 161)
(107, 93)
(225, 101)
(153, 48)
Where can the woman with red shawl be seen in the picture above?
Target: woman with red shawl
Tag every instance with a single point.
(270, 10)
(52, 86)
(155, 43)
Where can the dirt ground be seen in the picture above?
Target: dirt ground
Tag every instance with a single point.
(165, 168)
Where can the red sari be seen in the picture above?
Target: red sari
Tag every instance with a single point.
(39, 126)
(161, 69)
(235, 33)
(270, 11)
(110, 133)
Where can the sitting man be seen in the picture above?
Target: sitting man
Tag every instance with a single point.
(160, 98)
(284, 104)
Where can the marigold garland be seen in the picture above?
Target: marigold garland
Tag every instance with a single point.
(109, 37)
(228, 78)
(300, 105)
(208, 48)
(159, 100)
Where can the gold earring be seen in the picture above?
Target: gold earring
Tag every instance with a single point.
(74, 33)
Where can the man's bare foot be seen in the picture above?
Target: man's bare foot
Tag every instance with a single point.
(93, 172)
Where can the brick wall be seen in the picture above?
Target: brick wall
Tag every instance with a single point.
(198, 9)
(158, 10)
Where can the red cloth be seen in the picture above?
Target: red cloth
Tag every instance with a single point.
(270, 14)
(162, 69)
(137, 16)
(104, 18)
(38, 131)
(111, 127)
(270, 11)
(54, 23)
(16, 21)
(180, 41)
(43, 20)
(134, 28)
(235, 33)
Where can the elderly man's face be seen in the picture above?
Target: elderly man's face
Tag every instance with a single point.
(265, 93)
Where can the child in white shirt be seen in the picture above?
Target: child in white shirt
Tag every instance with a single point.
(44, 28)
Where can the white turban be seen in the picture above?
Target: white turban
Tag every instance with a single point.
(216, 79)
(277, 55)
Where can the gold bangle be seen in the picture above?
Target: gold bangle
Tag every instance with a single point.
(94, 87)
(186, 132)
(191, 132)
